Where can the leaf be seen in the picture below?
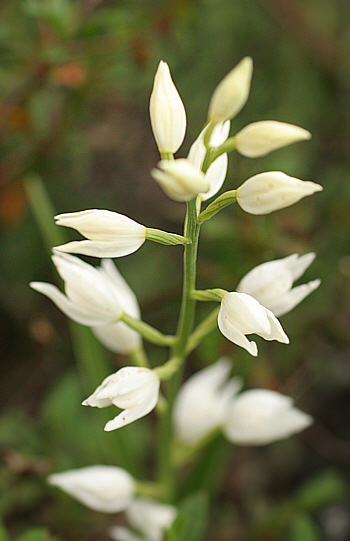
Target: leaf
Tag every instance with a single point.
(303, 528)
(191, 522)
(3, 533)
(320, 491)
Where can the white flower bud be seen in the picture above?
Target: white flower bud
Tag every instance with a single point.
(232, 93)
(271, 283)
(259, 417)
(133, 389)
(167, 112)
(147, 516)
(260, 138)
(103, 488)
(241, 315)
(180, 179)
(94, 296)
(203, 401)
(109, 234)
(274, 190)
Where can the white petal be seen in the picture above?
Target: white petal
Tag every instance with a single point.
(286, 303)
(70, 309)
(118, 337)
(180, 179)
(151, 517)
(119, 248)
(215, 176)
(260, 138)
(271, 191)
(202, 402)
(167, 112)
(119, 533)
(103, 488)
(234, 335)
(128, 299)
(232, 92)
(260, 416)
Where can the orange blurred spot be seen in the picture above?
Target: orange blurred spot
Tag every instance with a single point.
(12, 204)
(69, 75)
(18, 118)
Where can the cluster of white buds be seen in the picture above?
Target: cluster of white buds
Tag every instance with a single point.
(109, 489)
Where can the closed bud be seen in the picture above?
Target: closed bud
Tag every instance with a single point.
(133, 389)
(260, 138)
(274, 190)
(103, 488)
(147, 516)
(232, 93)
(180, 179)
(167, 112)
(109, 234)
(259, 417)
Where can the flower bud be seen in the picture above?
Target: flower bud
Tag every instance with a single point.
(147, 516)
(103, 488)
(260, 138)
(133, 389)
(267, 192)
(271, 283)
(167, 112)
(241, 315)
(232, 93)
(109, 234)
(180, 179)
(259, 417)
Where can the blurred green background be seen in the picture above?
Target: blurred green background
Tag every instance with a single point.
(75, 80)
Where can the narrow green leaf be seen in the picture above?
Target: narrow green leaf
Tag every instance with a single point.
(303, 528)
(191, 522)
(3, 533)
(327, 487)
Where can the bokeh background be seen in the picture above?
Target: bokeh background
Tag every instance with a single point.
(75, 80)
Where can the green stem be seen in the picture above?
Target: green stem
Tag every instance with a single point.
(204, 328)
(149, 333)
(139, 357)
(166, 472)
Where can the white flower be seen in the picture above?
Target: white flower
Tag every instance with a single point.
(232, 92)
(203, 401)
(180, 179)
(119, 337)
(267, 192)
(167, 112)
(103, 488)
(109, 234)
(217, 170)
(271, 283)
(259, 417)
(133, 389)
(149, 517)
(241, 314)
(94, 295)
(260, 138)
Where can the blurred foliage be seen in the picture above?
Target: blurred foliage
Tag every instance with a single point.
(75, 78)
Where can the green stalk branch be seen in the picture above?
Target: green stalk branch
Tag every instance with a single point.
(148, 332)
